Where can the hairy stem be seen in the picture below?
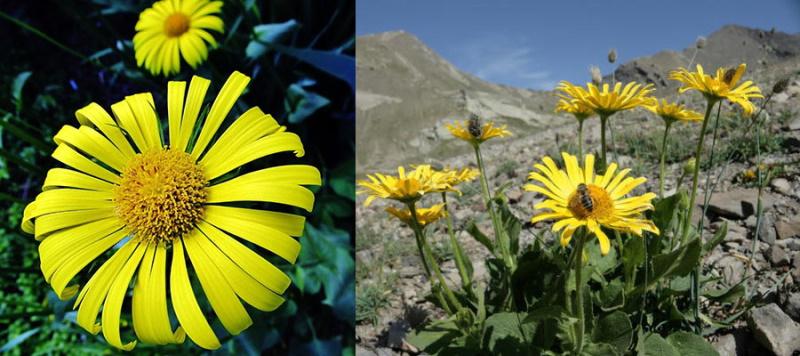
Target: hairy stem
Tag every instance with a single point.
(663, 158)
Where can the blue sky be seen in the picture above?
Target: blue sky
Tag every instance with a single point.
(534, 44)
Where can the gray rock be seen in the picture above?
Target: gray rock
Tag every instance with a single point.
(766, 232)
(774, 329)
(396, 334)
(781, 185)
(363, 351)
(789, 244)
(796, 268)
(792, 305)
(737, 204)
(777, 256)
(788, 229)
(794, 124)
(726, 345)
(732, 269)
(384, 351)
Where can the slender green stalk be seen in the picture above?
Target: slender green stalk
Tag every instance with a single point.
(579, 313)
(428, 255)
(41, 34)
(500, 238)
(466, 282)
(662, 169)
(603, 121)
(580, 140)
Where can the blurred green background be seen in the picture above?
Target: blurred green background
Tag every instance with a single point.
(61, 55)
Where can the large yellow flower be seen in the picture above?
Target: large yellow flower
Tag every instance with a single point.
(475, 133)
(172, 29)
(577, 108)
(723, 85)
(454, 177)
(425, 216)
(146, 203)
(606, 102)
(672, 112)
(406, 188)
(577, 197)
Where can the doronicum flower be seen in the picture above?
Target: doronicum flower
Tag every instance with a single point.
(671, 112)
(475, 133)
(578, 109)
(172, 29)
(576, 197)
(405, 187)
(156, 208)
(723, 85)
(607, 101)
(454, 177)
(425, 216)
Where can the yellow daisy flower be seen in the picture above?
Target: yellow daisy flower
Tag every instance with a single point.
(454, 177)
(723, 85)
(406, 188)
(606, 102)
(172, 29)
(577, 197)
(577, 109)
(475, 133)
(425, 216)
(128, 193)
(673, 112)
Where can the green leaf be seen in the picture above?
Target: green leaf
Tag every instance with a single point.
(717, 239)
(507, 334)
(434, 337)
(679, 262)
(655, 345)
(542, 313)
(18, 340)
(472, 229)
(612, 296)
(511, 226)
(267, 35)
(614, 329)
(342, 178)
(689, 344)
(599, 349)
(632, 257)
(336, 64)
(300, 103)
(726, 295)
(665, 210)
(16, 89)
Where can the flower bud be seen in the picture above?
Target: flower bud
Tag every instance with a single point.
(612, 55)
(700, 42)
(597, 77)
(780, 86)
(689, 166)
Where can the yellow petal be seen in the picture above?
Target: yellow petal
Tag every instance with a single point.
(113, 303)
(250, 126)
(185, 304)
(175, 96)
(265, 146)
(94, 114)
(259, 233)
(61, 177)
(194, 102)
(72, 158)
(227, 96)
(69, 267)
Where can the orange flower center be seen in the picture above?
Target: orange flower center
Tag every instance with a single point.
(176, 24)
(590, 201)
(160, 196)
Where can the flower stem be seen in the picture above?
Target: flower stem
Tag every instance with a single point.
(428, 255)
(663, 158)
(466, 282)
(603, 121)
(580, 140)
(579, 313)
(500, 237)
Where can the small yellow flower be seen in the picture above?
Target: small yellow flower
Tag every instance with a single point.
(749, 175)
(577, 197)
(425, 216)
(607, 101)
(723, 85)
(673, 112)
(475, 133)
(172, 29)
(454, 177)
(577, 109)
(406, 188)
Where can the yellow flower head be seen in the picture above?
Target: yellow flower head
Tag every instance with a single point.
(673, 112)
(577, 197)
(475, 133)
(425, 216)
(172, 29)
(607, 101)
(723, 85)
(454, 177)
(154, 208)
(577, 109)
(406, 188)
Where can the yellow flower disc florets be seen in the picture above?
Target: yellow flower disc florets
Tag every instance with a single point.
(593, 202)
(176, 24)
(161, 194)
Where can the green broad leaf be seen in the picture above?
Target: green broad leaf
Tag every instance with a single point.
(679, 262)
(542, 313)
(719, 236)
(335, 64)
(665, 211)
(435, 337)
(602, 264)
(507, 334)
(267, 35)
(632, 257)
(614, 329)
(18, 340)
(472, 229)
(726, 295)
(689, 344)
(599, 349)
(16, 89)
(511, 225)
(301, 104)
(341, 180)
(655, 345)
(612, 296)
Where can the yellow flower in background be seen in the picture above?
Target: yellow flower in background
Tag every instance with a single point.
(406, 188)
(425, 216)
(150, 205)
(577, 109)
(473, 132)
(723, 85)
(454, 177)
(577, 197)
(607, 101)
(172, 29)
(673, 112)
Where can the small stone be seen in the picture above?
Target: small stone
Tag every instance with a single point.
(363, 351)
(777, 256)
(514, 195)
(781, 185)
(796, 268)
(792, 305)
(774, 329)
(750, 221)
(767, 231)
(732, 269)
(788, 229)
(726, 345)
(794, 124)
(789, 244)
